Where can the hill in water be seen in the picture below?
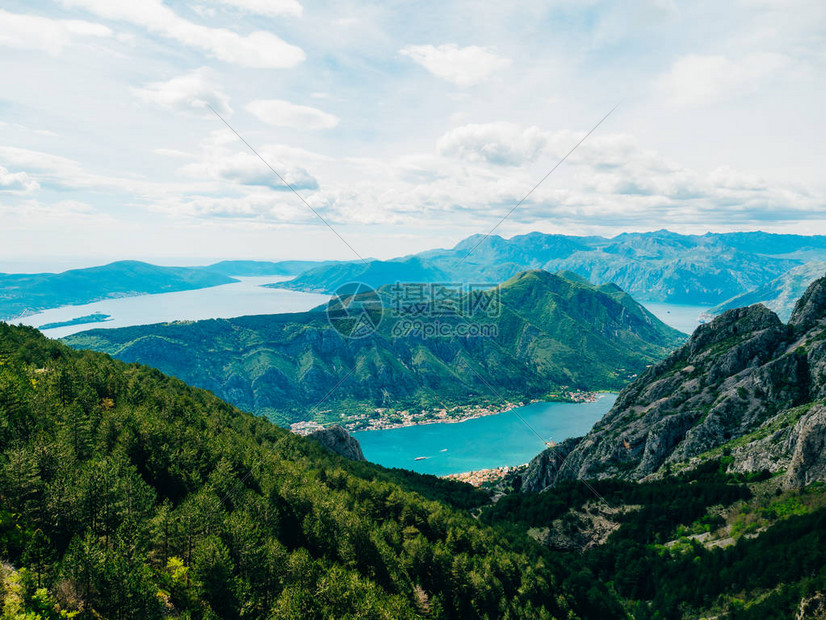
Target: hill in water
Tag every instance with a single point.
(27, 293)
(779, 295)
(552, 333)
(745, 385)
(654, 266)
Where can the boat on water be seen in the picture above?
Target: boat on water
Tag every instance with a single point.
(420, 458)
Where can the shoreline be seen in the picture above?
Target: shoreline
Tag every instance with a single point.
(454, 415)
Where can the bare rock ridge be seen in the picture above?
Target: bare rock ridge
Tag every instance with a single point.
(337, 439)
(745, 386)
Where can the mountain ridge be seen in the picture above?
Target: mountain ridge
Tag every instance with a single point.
(655, 266)
(744, 384)
(552, 334)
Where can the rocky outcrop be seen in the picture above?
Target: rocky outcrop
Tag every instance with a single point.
(811, 308)
(543, 470)
(338, 440)
(745, 383)
(808, 445)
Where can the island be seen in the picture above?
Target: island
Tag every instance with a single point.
(97, 317)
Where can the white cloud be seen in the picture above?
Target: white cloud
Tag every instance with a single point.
(696, 80)
(285, 114)
(193, 91)
(495, 143)
(257, 49)
(16, 181)
(220, 160)
(462, 66)
(32, 32)
(268, 8)
(255, 206)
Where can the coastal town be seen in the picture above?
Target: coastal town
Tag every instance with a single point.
(483, 476)
(386, 418)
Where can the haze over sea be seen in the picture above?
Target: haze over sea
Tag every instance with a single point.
(243, 298)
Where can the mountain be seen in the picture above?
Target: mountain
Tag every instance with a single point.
(127, 494)
(745, 386)
(247, 268)
(653, 266)
(779, 295)
(27, 293)
(545, 334)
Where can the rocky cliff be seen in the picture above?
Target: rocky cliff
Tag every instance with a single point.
(745, 387)
(338, 440)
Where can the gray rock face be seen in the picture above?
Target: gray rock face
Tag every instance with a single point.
(808, 462)
(810, 309)
(745, 376)
(338, 440)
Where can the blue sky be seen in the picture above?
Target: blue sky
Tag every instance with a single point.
(406, 125)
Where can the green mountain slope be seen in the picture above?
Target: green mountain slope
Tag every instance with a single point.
(779, 295)
(127, 494)
(652, 266)
(553, 333)
(24, 293)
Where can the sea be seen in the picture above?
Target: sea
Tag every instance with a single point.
(504, 439)
(243, 298)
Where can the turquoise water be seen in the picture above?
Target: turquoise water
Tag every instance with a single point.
(678, 316)
(482, 443)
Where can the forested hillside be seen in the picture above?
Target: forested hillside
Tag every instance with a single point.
(127, 494)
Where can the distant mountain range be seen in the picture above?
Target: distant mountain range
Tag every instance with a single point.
(553, 332)
(781, 294)
(28, 293)
(745, 387)
(656, 266)
(252, 268)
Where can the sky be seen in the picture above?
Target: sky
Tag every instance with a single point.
(404, 125)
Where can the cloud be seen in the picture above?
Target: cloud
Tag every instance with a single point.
(285, 114)
(503, 144)
(268, 8)
(32, 32)
(192, 91)
(258, 49)
(462, 66)
(16, 181)
(252, 207)
(220, 160)
(696, 80)
(63, 173)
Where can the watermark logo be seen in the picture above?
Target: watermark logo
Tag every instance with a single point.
(355, 310)
(417, 309)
